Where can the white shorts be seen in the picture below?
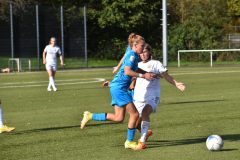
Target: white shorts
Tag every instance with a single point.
(153, 102)
(52, 67)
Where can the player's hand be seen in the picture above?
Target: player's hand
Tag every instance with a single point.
(106, 84)
(180, 86)
(62, 64)
(149, 76)
(115, 69)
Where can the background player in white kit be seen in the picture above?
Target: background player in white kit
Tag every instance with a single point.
(50, 60)
(147, 93)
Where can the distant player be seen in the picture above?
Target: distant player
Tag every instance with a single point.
(121, 98)
(147, 92)
(4, 128)
(50, 60)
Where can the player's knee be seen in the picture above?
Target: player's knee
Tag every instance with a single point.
(119, 119)
(135, 115)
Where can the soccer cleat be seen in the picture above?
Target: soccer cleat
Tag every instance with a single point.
(130, 145)
(140, 146)
(54, 89)
(86, 117)
(150, 133)
(6, 129)
(49, 89)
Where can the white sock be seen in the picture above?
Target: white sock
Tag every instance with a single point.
(1, 117)
(144, 130)
(51, 80)
(49, 84)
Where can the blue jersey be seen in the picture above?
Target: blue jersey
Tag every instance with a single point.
(128, 49)
(121, 80)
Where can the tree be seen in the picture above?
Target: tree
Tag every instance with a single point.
(201, 25)
(233, 7)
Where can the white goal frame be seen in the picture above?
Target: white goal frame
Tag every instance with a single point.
(205, 50)
(19, 63)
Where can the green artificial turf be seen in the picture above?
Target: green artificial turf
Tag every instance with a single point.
(47, 123)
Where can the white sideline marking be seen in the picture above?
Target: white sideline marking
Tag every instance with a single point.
(212, 72)
(92, 80)
(32, 82)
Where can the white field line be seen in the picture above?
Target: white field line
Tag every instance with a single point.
(212, 72)
(33, 82)
(93, 80)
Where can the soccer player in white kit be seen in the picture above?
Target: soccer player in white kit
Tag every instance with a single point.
(50, 60)
(147, 92)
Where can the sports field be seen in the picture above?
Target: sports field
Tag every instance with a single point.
(47, 123)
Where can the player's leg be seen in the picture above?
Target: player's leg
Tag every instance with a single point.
(53, 78)
(48, 69)
(145, 122)
(117, 116)
(133, 117)
(1, 118)
(4, 128)
(51, 75)
(147, 110)
(138, 124)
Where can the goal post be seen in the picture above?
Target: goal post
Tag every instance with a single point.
(22, 64)
(210, 51)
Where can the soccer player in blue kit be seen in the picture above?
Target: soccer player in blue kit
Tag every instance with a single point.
(121, 98)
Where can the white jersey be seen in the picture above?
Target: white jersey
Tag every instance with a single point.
(51, 57)
(145, 89)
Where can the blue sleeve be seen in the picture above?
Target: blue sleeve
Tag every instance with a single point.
(130, 61)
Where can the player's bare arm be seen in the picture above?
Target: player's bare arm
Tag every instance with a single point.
(115, 69)
(133, 83)
(181, 86)
(44, 57)
(61, 60)
(128, 71)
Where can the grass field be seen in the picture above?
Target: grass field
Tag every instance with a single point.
(47, 123)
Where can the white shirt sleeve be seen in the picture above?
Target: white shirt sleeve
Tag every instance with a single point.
(45, 49)
(161, 68)
(59, 51)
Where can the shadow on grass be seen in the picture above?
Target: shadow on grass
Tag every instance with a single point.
(190, 102)
(58, 128)
(163, 143)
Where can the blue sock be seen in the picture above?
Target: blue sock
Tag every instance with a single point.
(131, 134)
(99, 116)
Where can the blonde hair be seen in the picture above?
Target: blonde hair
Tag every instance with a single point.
(134, 39)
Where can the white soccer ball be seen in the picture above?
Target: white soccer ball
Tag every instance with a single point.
(214, 143)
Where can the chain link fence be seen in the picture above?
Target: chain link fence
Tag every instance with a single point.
(25, 33)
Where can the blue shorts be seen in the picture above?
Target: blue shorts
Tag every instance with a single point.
(120, 97)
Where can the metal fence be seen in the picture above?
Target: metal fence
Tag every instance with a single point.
(25, 33)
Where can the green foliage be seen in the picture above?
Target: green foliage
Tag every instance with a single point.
(197, 24)
(201, 26)
(233, 7)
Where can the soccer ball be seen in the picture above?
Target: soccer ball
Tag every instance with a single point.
(214, 143)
